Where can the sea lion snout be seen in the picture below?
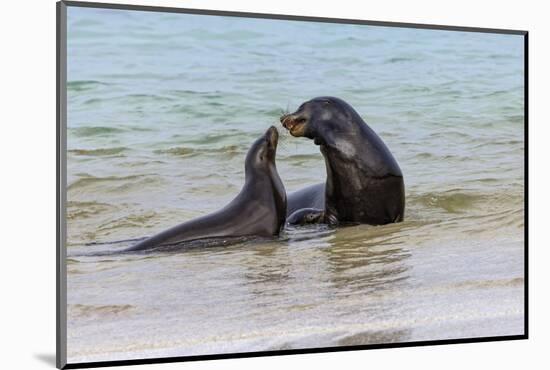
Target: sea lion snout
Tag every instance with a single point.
(285, 118)
(272, 137)
(289, 120)
(294, 123)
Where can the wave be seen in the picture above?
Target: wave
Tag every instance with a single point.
(230, 35)
(459, 202)
(137, 76)
(84, 85)
(98, 151)
(85, 131)
(510, 144)
(85, 310)
(427, 155)
(134, 220)
(449, 134)
(190, 93)
(509, 218)
(519, 119)
(95, 130)
(79, 210)
(132, 98)
(302, 157)
(177, 151)
(92, 180)
(186, 151)
(399, 59)
(232, 135)
(449, 202)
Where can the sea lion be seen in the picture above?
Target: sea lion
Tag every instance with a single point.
(259, 210)
(364, 182)
(312, 196)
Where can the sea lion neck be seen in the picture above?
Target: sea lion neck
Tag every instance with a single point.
(360, 148)
(259, 170)
(342, 170)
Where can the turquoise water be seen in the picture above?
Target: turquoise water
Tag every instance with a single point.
(161, 111)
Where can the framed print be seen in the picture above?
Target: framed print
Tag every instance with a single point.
(236, 184)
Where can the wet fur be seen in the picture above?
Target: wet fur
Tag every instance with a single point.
(364, 182)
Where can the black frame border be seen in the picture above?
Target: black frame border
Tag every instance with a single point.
(61, 144)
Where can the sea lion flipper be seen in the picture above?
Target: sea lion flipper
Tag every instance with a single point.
(306, 216)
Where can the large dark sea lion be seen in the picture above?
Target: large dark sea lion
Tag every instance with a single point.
(364, 182)
(259, 209)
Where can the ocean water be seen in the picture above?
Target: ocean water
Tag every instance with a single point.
(162, 109)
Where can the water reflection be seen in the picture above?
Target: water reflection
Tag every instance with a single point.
(267, 270)
(313, 277)
(362, 259)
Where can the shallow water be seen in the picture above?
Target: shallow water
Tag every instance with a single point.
(161, 111)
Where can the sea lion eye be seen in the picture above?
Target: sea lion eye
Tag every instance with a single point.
(326, 102)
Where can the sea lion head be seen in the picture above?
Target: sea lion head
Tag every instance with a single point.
(260, 170)
(261, 155)
(319, 118)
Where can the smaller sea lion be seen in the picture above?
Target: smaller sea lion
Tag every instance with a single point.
(259, 210)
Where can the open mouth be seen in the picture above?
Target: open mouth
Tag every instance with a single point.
(296, 126)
